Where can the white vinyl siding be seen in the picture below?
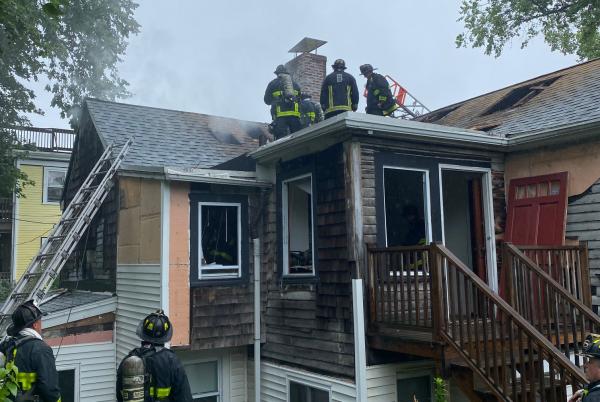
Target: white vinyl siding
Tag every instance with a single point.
(138, 294)
(381, 383)
(95, 367)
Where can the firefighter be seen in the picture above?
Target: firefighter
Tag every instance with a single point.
(164, 376)
(37, 377)
(339, 92)
(283, 95)
(310, 112)
(591, 350)
(380, 100)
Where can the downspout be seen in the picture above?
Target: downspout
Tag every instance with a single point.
(360, 358)
(256, 320)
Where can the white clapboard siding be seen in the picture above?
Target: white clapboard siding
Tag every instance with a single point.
(138, 294)
(94, 364)
(238, 375)
(381, 383)
(274, 379)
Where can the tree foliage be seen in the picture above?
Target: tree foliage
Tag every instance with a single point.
(75, 45)
(568, 26)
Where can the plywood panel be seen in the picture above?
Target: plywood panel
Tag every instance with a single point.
(179, 264)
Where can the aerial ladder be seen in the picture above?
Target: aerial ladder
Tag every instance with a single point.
(410, 107)
(75, 220)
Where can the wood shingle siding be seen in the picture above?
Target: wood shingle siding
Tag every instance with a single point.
(309, 323)
(583, 223)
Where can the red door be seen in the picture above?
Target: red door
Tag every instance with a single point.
(537, 210)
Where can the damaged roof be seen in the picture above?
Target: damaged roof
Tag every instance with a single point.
(560, 98)
(62, 300)
(172, 138)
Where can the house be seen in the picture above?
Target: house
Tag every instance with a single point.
(25, 221)
(369, 248)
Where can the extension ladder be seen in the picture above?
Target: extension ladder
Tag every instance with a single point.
(75, 220)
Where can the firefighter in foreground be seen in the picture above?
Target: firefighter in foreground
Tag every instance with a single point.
(37, 377)
(152, 372)
(339, 92)
(380, 100)
(591, 350)
(283, 95)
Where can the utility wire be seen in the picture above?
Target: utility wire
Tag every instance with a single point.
(35, 238)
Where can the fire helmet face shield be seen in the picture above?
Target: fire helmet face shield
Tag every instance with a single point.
(155, 328)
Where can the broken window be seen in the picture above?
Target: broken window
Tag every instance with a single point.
(520, 95)
(298, 253)
(220, 251)
(404, 197)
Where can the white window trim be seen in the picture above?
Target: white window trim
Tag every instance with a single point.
(200, 255)
(426, 198)
(45, 189)
(312, 384)
(285, 226)
(219, 392)
(75, 378)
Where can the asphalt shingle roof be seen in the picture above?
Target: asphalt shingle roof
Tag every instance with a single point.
(71, 299)
(573, 97)
(173, 138)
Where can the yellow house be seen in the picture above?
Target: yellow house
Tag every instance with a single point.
(36, 213)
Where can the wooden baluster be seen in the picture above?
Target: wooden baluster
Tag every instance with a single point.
(486, 345)
(459, 298)
(522, 366)
(477, 317)
(585, 274)
(427, 288)
(402, 288)
(513, 360)
(387, 271)
(409, 291)
(565, 325)
(494, 339)
(396, 270)
(437, 302)
(540, 373)
(381, 273)
(503, 354)
(418, 266)
(469, 317)
(553, 396)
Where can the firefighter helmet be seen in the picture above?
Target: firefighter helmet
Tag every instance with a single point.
(366, 69)
(339, 64)
(591, 346)
(23, 316)
(155, 328)
(281, 70)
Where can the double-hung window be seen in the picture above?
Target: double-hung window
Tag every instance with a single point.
(54, 181)
(220, 252)
(297, 219)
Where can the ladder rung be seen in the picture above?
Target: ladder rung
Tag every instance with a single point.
(52, 238)
(101, 172)
(32, 275)
(45, 255)
(18, 296)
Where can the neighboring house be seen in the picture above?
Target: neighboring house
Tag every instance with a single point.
(35, 213)
(411, 214)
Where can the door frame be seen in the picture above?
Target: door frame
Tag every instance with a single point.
(488, 216)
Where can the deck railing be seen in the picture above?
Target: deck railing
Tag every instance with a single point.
(46, 139)
(444, 296)
(5, 209)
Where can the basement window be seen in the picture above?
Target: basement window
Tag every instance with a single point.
(300, 392)
(519, 96)
(298, 238)
(220, 252)
(204, 381)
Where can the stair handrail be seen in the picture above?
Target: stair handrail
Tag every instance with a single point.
(439, 251)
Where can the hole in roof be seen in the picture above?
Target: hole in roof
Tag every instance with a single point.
(437, 115)
(486, 128)
(520, 95)
(225, 137)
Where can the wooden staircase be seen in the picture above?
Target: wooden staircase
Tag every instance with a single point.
(518, 348)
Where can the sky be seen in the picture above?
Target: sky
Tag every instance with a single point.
(217, 57)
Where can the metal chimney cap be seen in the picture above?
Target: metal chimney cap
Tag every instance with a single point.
(307, 45)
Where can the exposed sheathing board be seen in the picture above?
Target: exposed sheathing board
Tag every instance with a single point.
(96, 365)
(309, 325)
(35, 219)
(179, 264)
(138, 294)
(582, 161)
(583, 223)
(139, 221)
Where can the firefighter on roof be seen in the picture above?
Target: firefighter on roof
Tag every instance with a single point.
(380, 100)
(591, 350)
(152, 372)
(310, 111)
(339, 92)
(283, 95)
(37, 377)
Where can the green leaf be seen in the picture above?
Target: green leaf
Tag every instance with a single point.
(12, 387)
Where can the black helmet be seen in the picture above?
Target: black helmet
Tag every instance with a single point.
(281, 70)
(155, 328)
(591, 346)
(339, 64)
(305, 95)
(366, 69)
(23, 316)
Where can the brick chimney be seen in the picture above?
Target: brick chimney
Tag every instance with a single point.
(308, 69)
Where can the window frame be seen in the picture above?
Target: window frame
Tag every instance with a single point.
(308, 383)
(76, 380)
(285, 226)
(413, 373)
(47, 169)
(426, 200)
(219, 392)
(238, 205)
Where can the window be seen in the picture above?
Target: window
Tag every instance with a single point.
(414, 389)
(304, 393)
(298, 238)
(405, 212)
(54, 181)
(220, 240)
(204, 381)
(66, 383)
